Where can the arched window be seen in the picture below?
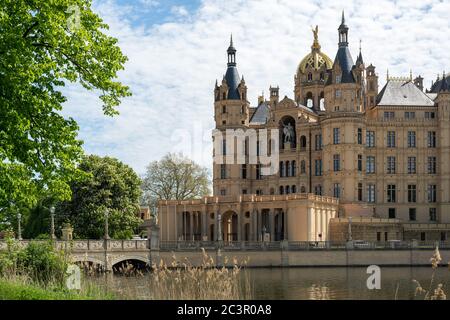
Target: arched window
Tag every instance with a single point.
(303, 166)
(272, 191)
(288, 190)
(281, 169)
(293, 168)
(310, 76)
(303, 189)
(322, 76)
(288, 169)
(294, 189)
(309, 102)
(281, 190)
(302, 142)
(322, 101)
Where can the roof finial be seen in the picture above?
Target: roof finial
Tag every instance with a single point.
(316, 44)
(231, 40)
(343, 17)
(387, 75)
(410, 74)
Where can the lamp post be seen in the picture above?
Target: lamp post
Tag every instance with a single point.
(106, 224)
(19, 228)
(52, 223)
(350, 229)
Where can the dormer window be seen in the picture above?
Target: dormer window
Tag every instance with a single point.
(338, 78)
(338, 93)
(310, 77)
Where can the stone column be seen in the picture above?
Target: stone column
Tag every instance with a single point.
(285, 224)
(324, 224)
(204, 227)
(272, 225)
(255, 225)
(259, 229)
(239, 226)
(310, 217)
(328, 224)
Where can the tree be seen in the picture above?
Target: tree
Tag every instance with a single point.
(174, 177)
(44, 45)
(111, 186)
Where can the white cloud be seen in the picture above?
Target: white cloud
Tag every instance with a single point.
(172, 67)
(179, 11)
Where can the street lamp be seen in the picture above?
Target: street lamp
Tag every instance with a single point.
(52, 222)
(19, 231)
(106, 224)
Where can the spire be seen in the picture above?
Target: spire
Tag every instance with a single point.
(343, 32)
(387, 75)
(444, 86)
(232, 76)
(231, 53)
(360, 58)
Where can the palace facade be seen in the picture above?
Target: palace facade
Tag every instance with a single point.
(345, 149)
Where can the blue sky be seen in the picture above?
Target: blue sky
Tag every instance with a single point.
(177, 50)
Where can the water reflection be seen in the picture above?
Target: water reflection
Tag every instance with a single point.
(306, 283)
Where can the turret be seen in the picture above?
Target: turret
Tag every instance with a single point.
(372, 86)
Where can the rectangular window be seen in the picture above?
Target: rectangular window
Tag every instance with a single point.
(336, 162)
(337, 190)
(318, 167)
(431, 165)
(338, 78)
(360, 192)
(391, 193)
(359, 136)
(391, 139)
(392, 213)
(223, 192)
(431, 140)
(391, 165)
(360, 162)
(378, 236)
(431, 193)
(223, 171)
(412, 214)
(318, 142)
(258, 172)
(371, 193)
(430, 115)
(318, 190)
(411, 139)
(224, 147)
(423, 236)
(370, 164)
(410, 115)
(433, 215)
(412, 194)
(370, 139)
(336, 136)
(411, 165)
(389, 115)
(257, 148)
(244, 171)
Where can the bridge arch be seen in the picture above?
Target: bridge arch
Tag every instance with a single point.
(118, 260)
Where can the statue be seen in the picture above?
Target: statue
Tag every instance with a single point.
(316, 33)
(288, 131)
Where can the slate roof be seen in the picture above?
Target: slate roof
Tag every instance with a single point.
(232, 78)
(261, 114)
(345, 60)
(437, 86)
(402, 93)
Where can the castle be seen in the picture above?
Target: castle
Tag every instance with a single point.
(344, 149)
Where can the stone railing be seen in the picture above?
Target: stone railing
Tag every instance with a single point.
(300, 245)
(90, 245)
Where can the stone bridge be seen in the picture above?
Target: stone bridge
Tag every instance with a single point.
(104, 253)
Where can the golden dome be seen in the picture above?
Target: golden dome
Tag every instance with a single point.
(316, 59)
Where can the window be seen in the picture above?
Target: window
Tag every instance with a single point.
(318, 190)
(431, 193)
(392, 213)
(370, 164)
(411, 165)
(293, 169)
(391, 139)
(302, 167)
(371, 193)
(430, 115)
(389, 115)
(411, 139)
(412, 194)
(288, 169)
(336, 162)
(431, 165)
(443, 236)
(336, 136)
(338, 78)
(244, 191)
(223, 171)
(412, 214)
(391, 165)
(336, 108)
(318, 142)
(244, 171)
(378, 236)
(224, 109)
(310, 77)
(287, 189)
(337, 190)
(433, 215)
(224, 122)
(303, 142)
(294, 189)
(259, 192)
(385, 236)
(318, 167)
(258, 172)
(370, 139)
(223, 192)
(360, 192)
(281, 189)
(410, 115)
(360, 162)
(391, 193)
(431, 141)
(359, 136)
(257, 148)
(423, 236)
(338, 93)
(281, 169)
(224, 147)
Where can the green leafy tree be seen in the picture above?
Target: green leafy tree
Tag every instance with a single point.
(43, 46)
(111, 186)
(174, 177)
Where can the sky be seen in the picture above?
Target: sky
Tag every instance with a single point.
(177, 50)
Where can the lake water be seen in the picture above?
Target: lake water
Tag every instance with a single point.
(309, 283)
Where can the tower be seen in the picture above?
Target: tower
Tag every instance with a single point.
(371, 87)
(231, 111)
